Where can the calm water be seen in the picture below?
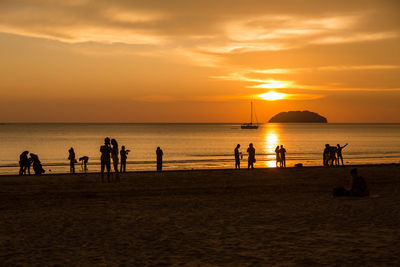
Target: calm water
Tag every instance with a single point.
(196, 146)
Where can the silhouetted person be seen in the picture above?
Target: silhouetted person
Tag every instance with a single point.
(36, 164)
(339, 153)
(282, 153)
(24, 163)
(84, 160)
(252, 156)
(278, 157)
(159, 154)
(105, 159)
(124, 156)
(326, 155)
(72, 160)
(115, 158)
(237, 157)
(332, 156)
(358, 187)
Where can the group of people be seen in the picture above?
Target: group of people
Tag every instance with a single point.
(110, 151)
(333, 155)
(72, 160)
(251, 156)
(25, 163)
(280, 152)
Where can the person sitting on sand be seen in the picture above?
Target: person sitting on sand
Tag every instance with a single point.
(237, 157)
(124, 156)
(339, 153)
(72, 160)
(105, 159)
(159, 154)
(24, 163)
(278, 157)
(115, 158)
(282, 152)
(252, 156)
(84, 161)
(358, 187)
(36, 164)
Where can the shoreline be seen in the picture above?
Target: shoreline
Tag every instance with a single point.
(206, 170)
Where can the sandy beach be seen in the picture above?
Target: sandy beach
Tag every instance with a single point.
(263, 217)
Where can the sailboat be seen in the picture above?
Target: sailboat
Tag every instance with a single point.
(250, 125)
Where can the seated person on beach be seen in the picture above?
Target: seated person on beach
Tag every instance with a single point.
(358, 187)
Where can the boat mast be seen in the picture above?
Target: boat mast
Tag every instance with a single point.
(251, 116)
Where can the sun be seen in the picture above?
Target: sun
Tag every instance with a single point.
(271, 96)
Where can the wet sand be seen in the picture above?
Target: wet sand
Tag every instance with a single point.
(201, 218)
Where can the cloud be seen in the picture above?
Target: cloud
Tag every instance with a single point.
(262, 83)
(324, 68)
(253, 26)
(358, 37)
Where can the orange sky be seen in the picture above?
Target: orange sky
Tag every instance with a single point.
(198, 61)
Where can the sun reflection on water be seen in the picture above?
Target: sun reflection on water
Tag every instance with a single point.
(271, 140)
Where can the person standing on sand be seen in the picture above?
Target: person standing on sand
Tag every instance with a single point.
(278, 157)
(339, 153)
(332, 156)
(237, 157)
(114, 155)
(326, 155)
(72, 160)
(282, 153)
(252, 156)
(159, 154)
(105, 159)
(124, 156)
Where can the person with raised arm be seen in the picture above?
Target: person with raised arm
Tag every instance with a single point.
(339, 153)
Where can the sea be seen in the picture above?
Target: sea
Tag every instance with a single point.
(188, 146)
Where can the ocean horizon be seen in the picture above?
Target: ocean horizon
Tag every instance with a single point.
(196, 145)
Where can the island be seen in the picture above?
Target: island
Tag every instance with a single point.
(298, 117)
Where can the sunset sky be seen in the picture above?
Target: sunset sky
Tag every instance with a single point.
(198, 61)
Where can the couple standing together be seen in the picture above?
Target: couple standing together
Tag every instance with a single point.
(252, 156)
(110, 150)
(280, 156)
